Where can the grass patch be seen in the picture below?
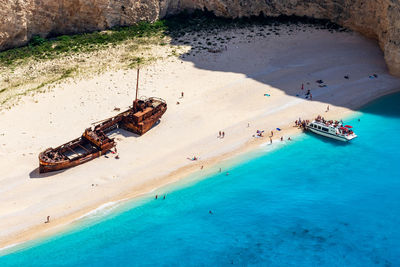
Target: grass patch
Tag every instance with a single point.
(48, 60)
(175, 26)
(64, 74)
(51, 48)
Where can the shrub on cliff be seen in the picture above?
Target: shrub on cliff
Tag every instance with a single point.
(37, 40)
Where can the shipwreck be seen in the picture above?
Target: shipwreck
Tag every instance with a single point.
(95, 141)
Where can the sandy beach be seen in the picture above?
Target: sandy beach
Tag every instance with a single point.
(252, 83)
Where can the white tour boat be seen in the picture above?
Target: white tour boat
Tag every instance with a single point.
(331, 129)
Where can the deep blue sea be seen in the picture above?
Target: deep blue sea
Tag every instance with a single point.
(313, 202)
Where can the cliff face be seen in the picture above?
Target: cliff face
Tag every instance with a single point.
(21, 19)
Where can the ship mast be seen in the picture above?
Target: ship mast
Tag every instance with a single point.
(137, 89)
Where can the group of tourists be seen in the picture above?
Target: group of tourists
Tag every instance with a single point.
(301, 123)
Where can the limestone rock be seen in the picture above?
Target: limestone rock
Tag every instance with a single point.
(21, 19)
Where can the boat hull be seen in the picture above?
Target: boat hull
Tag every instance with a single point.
(144, 126)
(332, 136)
(94, 142)
(57, 166)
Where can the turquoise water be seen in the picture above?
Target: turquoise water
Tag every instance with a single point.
(314, 202)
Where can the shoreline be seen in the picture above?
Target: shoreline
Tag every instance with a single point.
(62, 225)
(217, 97)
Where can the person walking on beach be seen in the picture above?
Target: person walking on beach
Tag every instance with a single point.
(48, 219)
(219, 135)
(182, 94)
(223, 134)
(327, 108)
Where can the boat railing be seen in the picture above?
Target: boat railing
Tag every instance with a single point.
(158, 99)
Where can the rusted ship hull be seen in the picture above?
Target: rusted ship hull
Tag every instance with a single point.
(143, 126)
(45, 166)
(94, 142)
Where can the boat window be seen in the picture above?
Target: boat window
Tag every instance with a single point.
(315, 126)
(319, 127)
(311, 125)
(325, 129)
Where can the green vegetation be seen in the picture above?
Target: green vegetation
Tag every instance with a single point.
(40, 48)
(45, 61)
(175, 27)
(65, 74)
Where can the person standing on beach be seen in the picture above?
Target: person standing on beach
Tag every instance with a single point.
(182, 94)
(223, 134)
(48, 219)
(219, 135)
(272, 133)
(327, 108)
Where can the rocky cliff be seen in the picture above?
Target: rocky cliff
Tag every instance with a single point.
(21, 19)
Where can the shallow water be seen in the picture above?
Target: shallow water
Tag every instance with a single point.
(315, 202)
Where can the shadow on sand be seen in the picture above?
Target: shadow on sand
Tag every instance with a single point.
(34, 174)
(338, 62)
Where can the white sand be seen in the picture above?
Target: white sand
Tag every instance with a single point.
(223, 92)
